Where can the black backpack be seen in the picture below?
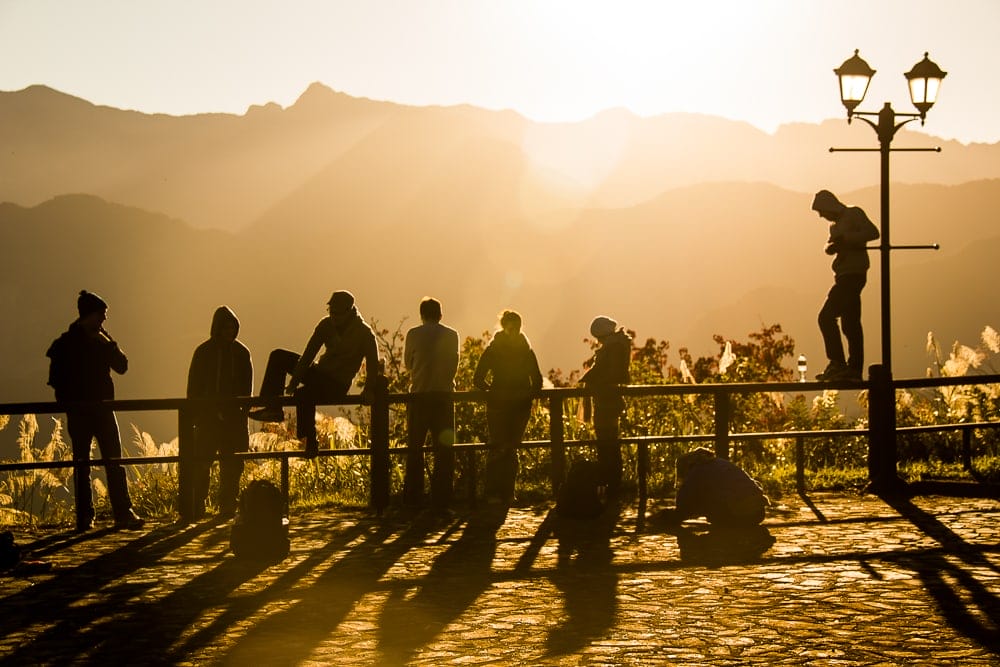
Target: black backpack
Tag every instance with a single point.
(579, 496)
(260, 530)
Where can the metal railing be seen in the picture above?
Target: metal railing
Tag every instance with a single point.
(379, 451)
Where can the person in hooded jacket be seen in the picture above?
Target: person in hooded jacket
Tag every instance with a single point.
(220, 368)
(850, 231)
(347, 341)
(609, 370)
(81, 361)
(508, 371)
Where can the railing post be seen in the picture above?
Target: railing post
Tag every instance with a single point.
(284, 481)
(723, 411)
(800, 464)
(882, 431)
(185, 464)
(967, 449)
(643, 474)
(380, 445)
(557, 442)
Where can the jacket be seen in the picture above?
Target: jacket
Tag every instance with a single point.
(345, 346)
(221, 367)
(848, 236)
(81, 363)
(508, 368)
(430, 354)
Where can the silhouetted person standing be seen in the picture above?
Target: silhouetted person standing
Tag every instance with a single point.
(850, 231)
(347, 341)
(508, 371)
(220, 368)
(609, 370)
(430, 354)
(81, 361)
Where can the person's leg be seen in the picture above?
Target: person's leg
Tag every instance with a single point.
(110, 444)
(205, 443)
(832, 309)
(280, 364)
(609, 451)
(850, 322)
(235, 439)
(417, 426)
(442, 428)
(80, 427)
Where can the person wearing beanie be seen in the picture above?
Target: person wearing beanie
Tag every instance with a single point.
(80, 365)
(609, 369)
(508, 371)
(220, 368)
(347, 340)
(430, 354)
(850, 231)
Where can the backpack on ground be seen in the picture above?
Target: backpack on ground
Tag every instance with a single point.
(579, 496)
(260, 530)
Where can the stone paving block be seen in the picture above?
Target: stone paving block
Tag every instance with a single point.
(849, 581)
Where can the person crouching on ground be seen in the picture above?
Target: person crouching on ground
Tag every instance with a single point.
(718, 490)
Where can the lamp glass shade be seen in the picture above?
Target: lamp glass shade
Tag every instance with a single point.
(924, 81)
(854, 74)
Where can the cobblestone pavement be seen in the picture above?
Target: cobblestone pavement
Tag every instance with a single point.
(849, 581)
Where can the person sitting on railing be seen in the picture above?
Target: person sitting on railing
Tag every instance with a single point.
(609, 369)
(718, 490)
(220, 368)
(81, 361)
(348, 340)
(508, 371)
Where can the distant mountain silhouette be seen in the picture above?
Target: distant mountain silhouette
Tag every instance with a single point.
(227, 171)
(722, 258)
(679, 226)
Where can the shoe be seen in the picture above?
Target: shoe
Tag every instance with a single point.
(268, 414)
(83, 526)
(130, 521)
(832, 372)
(844, 374)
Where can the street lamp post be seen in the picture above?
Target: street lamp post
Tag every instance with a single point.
(924, 81)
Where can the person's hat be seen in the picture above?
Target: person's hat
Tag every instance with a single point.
(602, 326)
(341, 300)
(826, 201)
(88, 303)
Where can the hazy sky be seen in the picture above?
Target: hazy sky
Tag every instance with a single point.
(763, 61)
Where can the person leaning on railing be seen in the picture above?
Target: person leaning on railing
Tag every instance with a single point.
(508, 371)
(609, 370)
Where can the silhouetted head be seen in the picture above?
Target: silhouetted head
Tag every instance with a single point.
(430, 309)
(93, 310)
(510, 321)
(827, 205)
(225, 324)
(341, 305)
(602, 327)
(697, 456)
(88, 302)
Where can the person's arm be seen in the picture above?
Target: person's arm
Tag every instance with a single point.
(536, 373)
(116, 358)
(482, 368)
(451, 362)
(408, 351)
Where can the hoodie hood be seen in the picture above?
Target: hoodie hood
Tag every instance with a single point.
(223, 315)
